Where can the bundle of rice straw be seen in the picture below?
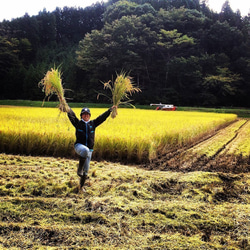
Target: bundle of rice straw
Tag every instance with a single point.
(52, 84)
(121, 89)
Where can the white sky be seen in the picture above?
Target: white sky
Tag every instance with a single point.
(242, 5)
(17, 8)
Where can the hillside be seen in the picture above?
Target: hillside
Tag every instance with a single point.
(179, 52)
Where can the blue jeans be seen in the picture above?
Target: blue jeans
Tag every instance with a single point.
(86, 153)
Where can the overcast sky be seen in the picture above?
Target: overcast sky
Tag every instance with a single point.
(17, 8)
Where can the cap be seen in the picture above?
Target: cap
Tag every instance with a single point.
(85, 110)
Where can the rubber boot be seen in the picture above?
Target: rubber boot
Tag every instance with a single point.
(82, 180)
(80, 166)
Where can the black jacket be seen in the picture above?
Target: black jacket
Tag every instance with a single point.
(85, 131)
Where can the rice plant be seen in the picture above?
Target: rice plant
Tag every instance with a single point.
(52, 84)
(135, 135)
(120, 89)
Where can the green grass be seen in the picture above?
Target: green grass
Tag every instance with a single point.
(50, 104)
(241, 112)
(124, 207)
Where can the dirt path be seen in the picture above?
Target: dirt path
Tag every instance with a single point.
(212, 153)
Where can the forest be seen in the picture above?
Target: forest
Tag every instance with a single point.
(176, 51)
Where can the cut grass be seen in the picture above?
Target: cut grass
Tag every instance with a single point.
(124, 207)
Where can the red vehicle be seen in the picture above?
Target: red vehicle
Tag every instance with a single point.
(166, 107)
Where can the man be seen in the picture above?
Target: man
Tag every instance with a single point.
(85, 139)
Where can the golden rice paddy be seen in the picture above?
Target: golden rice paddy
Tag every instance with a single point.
(135, 134)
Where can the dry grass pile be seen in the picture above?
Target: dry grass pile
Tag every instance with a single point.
(124, 207)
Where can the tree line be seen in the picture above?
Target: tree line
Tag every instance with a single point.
(177, 51)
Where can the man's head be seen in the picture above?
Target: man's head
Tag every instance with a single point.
(85, 114)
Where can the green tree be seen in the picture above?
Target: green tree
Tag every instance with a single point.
(186, 21)
(222, 86)
(185, 76)
(118, 10)
(8, 54)
(47, 27)
(14, 54)
(227, 14)
(25, 28)
(124, 44)
(222, 38)
(172, 44)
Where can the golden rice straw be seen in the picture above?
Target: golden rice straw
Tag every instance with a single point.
(52, 84)
(121, 89)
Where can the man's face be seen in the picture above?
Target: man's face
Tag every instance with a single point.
(85, 116)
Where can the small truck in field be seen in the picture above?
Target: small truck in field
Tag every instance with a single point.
(165, 107)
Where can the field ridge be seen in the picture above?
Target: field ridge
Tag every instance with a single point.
(232, 139)
(205, 155)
